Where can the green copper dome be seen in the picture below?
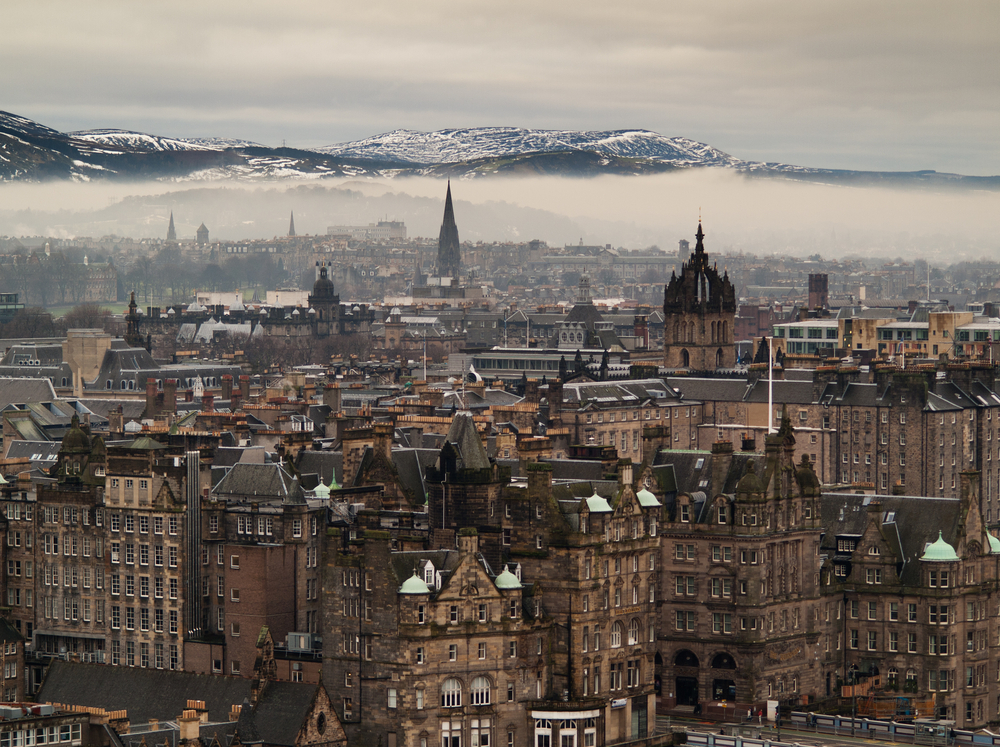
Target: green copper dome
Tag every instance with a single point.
(414, 585)
(598, 505)
(322, 491)
(994, 544)
(939, 551)
(507, 580)
(646, 498)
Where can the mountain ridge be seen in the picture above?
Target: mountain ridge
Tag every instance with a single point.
(33, 152)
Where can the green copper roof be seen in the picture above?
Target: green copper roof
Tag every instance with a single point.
(646, 498)
(507, 580)
(994, 544)
(322, 491)
(939, 551)
(414, 585)
(597, 504)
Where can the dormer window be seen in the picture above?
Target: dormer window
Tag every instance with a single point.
(722, 514)
(685, 513)
(874, 551)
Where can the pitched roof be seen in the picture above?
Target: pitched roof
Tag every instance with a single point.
(465, 437)
(255, 481)
(145, 693)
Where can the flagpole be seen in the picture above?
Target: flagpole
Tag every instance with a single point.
(770, 385)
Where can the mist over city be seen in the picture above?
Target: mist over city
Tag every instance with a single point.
(527, 375)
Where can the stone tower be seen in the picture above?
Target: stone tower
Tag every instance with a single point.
(171, 231)
(699, 310)
(133, 337)
(449, 263)
(202, 234)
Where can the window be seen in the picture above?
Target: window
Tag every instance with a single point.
(453, 652)
(391, 697)
(451, 693)
(234, 561)
(480, 691)
(616, 635)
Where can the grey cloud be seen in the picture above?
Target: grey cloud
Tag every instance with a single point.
(904, 85)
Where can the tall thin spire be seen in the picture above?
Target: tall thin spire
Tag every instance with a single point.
(449, 248)
(171, 232)
(291, 223)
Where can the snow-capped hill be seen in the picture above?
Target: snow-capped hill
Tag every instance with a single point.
(124, 140)
(469, 144)
(22, 126)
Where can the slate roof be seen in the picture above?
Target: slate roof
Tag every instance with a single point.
(617, 393)
(8, 634)
(465, 437)
(15, 391)
(911, 523)
(132, 409)
(412, 465)
(693, 471)
(42, 452)
(254, 481)
(145, 693)
(709, 389)
(281, 710)
(784, 392)
(326, 464)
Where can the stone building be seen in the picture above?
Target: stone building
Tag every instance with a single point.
(699, 310)
(909, 605)
(262, 540)
(739, 587)
(431, 647)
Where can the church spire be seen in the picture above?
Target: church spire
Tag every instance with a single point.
(291, 223)
(700, 235)
(449, 248)
(171, 232)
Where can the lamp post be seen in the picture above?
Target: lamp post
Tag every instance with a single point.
(853, 678)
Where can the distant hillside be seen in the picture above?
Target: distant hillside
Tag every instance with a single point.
(31, 152)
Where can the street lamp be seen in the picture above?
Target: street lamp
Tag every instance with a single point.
(853, 678)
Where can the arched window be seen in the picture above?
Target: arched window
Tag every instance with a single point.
(451, 693)
(616, 635)
(635, 594)
(718, 358)
(480, 691)
(633, 633)
(685, 358)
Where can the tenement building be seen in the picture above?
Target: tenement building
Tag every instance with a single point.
(739, 586)
(909, 605)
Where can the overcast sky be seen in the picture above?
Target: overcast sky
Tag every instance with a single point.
(865, 85)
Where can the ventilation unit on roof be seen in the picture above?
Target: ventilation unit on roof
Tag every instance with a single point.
(300, 642)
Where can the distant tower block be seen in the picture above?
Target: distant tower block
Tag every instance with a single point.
(683, 249)
(202, 234)
(819, 297)
(699, 313)
(449, 263)
(171, 231)
(291, 223)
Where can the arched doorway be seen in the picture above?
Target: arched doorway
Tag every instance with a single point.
(685, 358)
(723, 684)
(686, 677)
